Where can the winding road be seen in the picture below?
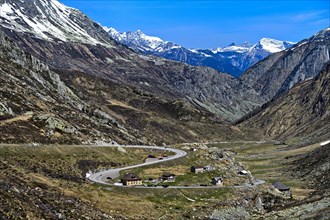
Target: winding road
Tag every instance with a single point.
(102, 176)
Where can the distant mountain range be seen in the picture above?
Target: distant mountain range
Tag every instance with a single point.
(233, 59)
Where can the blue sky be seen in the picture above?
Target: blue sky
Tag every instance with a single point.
(210, 24)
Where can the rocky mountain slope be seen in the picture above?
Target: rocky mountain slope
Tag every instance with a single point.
(281, 71)
(203, 87)
(91, 53)
(50, 20)
(303, 111)
(233, 59)
(39, 105)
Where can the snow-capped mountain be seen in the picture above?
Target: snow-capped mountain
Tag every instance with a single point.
(244, 56)
(233, 48)
(50, 20)
(140, 41)
(267, 44)
(233, 59)
(273, 46)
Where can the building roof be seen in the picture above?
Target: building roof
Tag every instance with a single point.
(131, 177)
(197, 167)
(280, 186)
(217, 178)
(168, 174)
(243, 171)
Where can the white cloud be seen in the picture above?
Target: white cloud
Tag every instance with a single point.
(308, 16)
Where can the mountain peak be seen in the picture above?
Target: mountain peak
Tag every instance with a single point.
(138, 40)
(247, 44)
(139, 32)
(148, 38)
(108, 29)
(321, 34)
(272, 45)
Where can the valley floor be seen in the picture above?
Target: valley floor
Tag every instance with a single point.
(49, 182)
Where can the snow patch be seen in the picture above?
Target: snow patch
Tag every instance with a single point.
(325, 143)
(272, 45)
(52, 20)
(238, 49)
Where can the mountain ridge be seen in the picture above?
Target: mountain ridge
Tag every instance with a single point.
(279, 72)
(233, 59)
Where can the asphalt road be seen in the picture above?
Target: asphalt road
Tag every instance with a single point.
(101, 177)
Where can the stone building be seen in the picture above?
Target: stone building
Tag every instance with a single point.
(197, 169)
(131, 179)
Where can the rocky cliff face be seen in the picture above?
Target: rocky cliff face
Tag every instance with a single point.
(303, 111)
(281, 71)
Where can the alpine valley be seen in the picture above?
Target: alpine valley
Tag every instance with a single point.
(78, 100)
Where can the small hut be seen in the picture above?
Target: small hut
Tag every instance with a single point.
(168, 177)
(197, 169)
(282, 188)
(217, 181)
